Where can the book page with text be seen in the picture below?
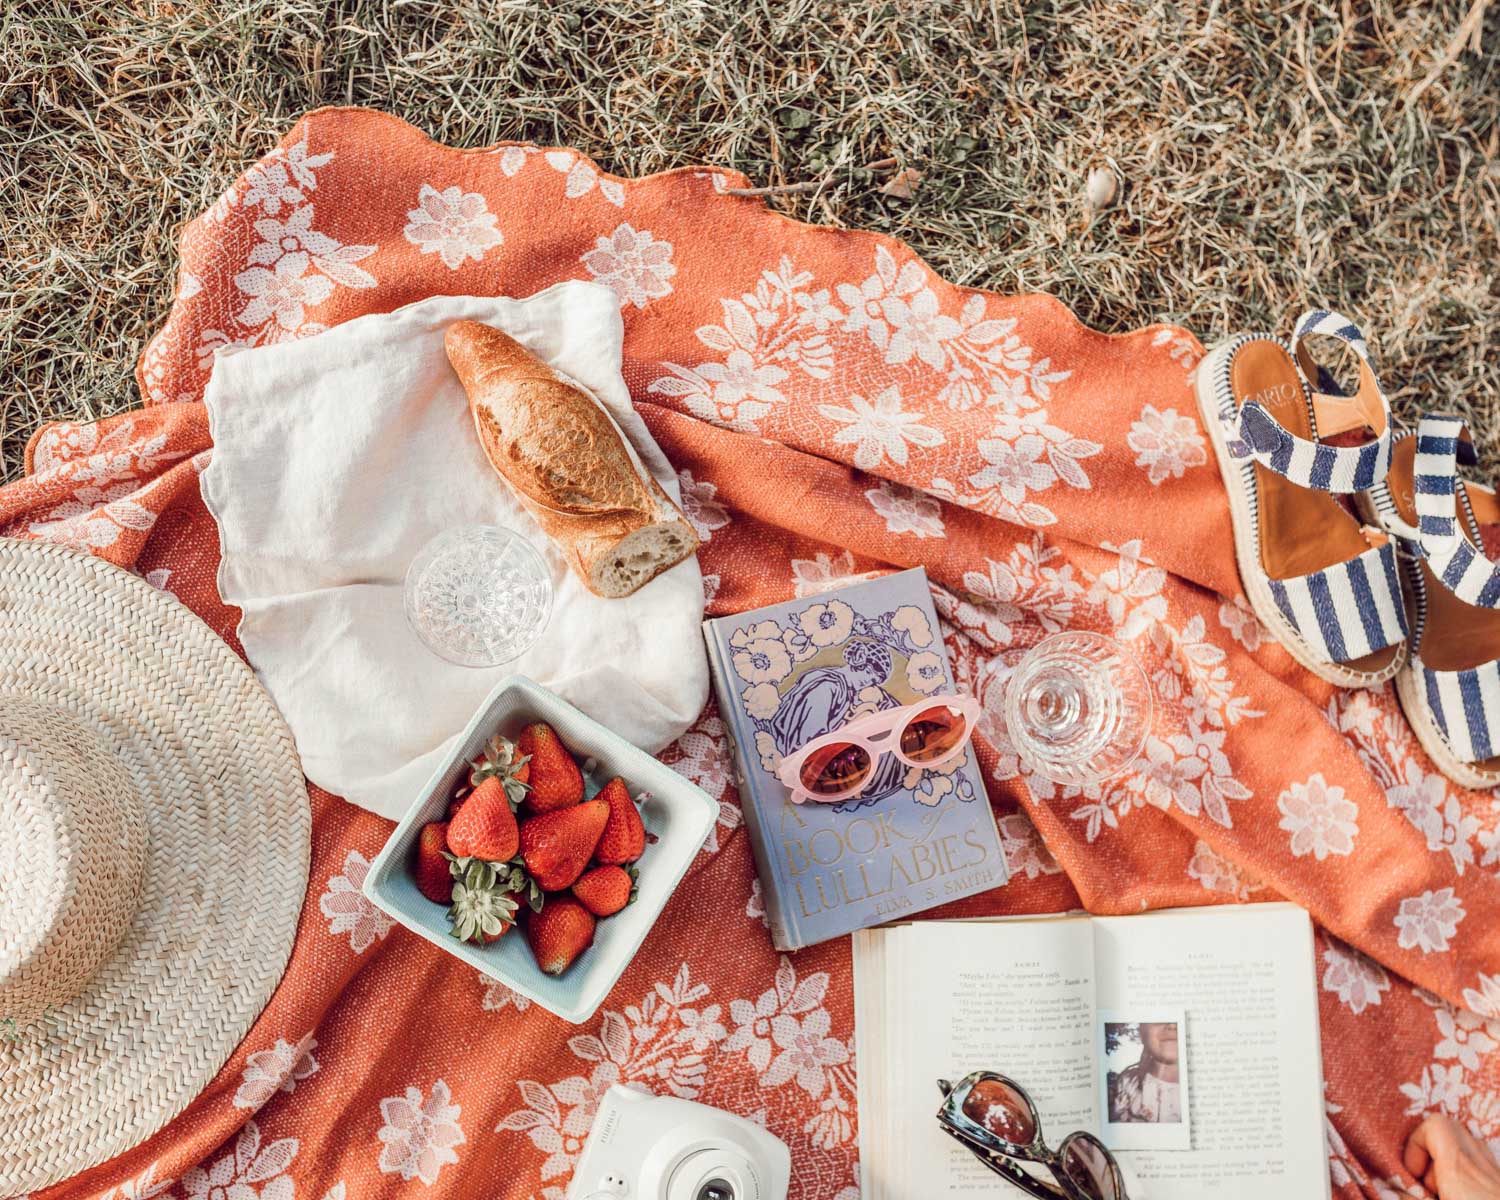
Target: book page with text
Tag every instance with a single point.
(1246, 979)
(1014, 997)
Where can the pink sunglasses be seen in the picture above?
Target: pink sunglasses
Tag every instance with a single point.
(835, 766)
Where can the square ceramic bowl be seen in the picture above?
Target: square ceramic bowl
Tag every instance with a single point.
(675, 811)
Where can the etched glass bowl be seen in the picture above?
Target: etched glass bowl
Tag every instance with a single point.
(478, 595)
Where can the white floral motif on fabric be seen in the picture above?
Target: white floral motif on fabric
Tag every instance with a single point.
(1373, 724)
(1166, 444)
(453, 224)
(278, 1069)
(906, 510)
(250, 1170)
(348, 911)
(669, 1042)
(1355, 978)
(700, 504)
(1319, 817)
(1429, 922)
(636, 266)
(419, 1133)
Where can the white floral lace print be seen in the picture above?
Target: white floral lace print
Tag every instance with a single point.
(1355, 978)
(702, 754)
(1375, 727)
(906, 510)
(765, 334)
(251, 1171)
(348, 911)
(1428, 922)
(278, 1069)
(295, 235)
(496, 996)
(145, 1186)
(419, 1133)
(105, 471)
(1217, 874)
(583, 177)
(1166, 444)
(822, 573)
(453, 224)
(282, 293)
(1320, 818)
(879, 429)
(1244, 626)
(700, 504)
(1485, 999)
(1459, 1080)
(1025, 852)
(282, 179)
(636, 266)
(668, 1042)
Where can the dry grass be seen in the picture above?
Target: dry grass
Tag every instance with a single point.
(1274, 154)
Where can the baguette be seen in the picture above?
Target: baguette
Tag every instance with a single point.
(568, 463)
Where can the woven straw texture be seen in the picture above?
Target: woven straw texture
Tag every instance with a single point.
(72, 862)
(227, 840)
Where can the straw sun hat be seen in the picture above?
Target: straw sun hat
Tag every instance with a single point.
(154, 833)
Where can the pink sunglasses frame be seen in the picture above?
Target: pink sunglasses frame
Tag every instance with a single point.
(877, 734)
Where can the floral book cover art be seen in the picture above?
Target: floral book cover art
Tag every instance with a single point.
(914, 838)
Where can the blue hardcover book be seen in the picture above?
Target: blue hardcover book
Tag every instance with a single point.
(914, 838)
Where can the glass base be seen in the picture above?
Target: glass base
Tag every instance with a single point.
(1078, 708)
(478, 596)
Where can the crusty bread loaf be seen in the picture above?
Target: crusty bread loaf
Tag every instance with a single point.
(568, 463)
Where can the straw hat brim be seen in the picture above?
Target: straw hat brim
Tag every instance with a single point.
(228, 834)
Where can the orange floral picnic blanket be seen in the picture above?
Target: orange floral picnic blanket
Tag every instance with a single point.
(832, 407)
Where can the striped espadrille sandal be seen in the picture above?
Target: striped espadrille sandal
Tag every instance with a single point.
(1450, 689)
(1324, 584)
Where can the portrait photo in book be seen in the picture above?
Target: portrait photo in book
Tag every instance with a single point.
(1144, 1080)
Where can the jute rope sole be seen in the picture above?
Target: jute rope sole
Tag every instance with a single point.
(227, 841)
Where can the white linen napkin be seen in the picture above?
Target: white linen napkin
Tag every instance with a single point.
(336, 458)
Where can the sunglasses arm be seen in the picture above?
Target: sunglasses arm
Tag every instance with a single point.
(1009, 1171)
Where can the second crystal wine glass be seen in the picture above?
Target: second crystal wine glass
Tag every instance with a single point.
(1077, 708)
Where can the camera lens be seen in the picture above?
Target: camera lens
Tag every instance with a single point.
(715, 1189)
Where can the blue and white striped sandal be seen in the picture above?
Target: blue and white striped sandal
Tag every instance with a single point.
(1450, 690)
(1325, 584)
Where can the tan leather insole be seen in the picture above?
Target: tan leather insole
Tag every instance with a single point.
(1457, 636)
(1301, 530)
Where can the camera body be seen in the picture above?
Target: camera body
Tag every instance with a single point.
(645, 1147)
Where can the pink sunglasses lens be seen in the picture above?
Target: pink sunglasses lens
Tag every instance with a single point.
(835, 769)
(933, 733)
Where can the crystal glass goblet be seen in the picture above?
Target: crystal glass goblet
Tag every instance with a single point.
(478, 595)
(1078, 708)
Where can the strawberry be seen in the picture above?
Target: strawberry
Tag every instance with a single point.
(553, 776)
(483, 907)
(431, 870)
(604, 891)
(558, 934)
(556, 846)
(502, 760)
(624, 837)
(485, 826)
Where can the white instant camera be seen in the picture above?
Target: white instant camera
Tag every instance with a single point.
(657, 1148)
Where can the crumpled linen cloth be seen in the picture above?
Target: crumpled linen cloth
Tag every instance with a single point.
(833, 407)
(336, 458)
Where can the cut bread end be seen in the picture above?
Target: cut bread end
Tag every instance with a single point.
(639, 557)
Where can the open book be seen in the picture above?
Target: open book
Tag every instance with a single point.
(1187, 1040)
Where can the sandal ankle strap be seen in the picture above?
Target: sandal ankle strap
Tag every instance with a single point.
(1316, 464)
(1443, 442)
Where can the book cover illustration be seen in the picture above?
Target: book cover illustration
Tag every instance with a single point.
(915, 837)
